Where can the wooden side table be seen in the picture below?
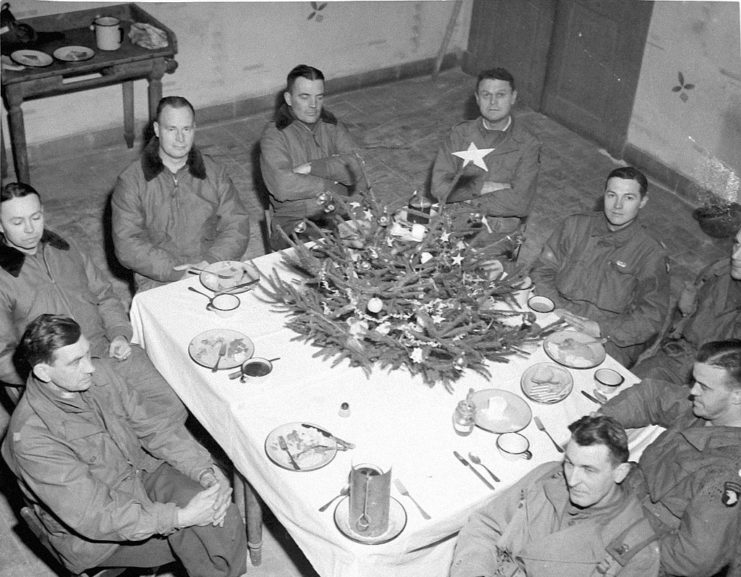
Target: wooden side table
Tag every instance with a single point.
(130, 62)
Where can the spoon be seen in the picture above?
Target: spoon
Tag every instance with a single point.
(343, 493)
(195, 290)
(477, 461)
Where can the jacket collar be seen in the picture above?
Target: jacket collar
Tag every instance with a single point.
(11, 259)
(152, 164)
(284, 116)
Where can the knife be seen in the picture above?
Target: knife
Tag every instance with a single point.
(222, 352)
(591, 398)
(238, 286)
(474, 471)
(345, 445)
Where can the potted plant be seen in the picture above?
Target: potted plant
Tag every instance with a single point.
(719, 213)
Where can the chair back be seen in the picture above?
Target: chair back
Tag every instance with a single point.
(34, 524)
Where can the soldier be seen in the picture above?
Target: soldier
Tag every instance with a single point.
(689, 479)
(570, 519)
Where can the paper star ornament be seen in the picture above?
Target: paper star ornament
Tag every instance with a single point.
(475, 155)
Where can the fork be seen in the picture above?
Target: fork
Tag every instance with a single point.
(284, 447)
(403, 490)
(541, 427)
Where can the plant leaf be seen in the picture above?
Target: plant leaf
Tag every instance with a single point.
(689, 86)
(681, 78)
(675, 89)
(310, 16)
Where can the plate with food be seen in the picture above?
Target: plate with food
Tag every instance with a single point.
(34, 58)
(73, 53)
(227, 274)
(297, 448)
(546, 383)
(500, 411)
(574, 349)
(205, 348)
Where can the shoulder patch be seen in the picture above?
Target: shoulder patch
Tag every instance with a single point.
(731, 493)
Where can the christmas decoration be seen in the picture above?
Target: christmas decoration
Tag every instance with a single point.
(388, 297)
(475, 155)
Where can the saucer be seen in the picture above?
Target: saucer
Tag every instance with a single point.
(34, 58)
(237, 273)
(73, 53)
(397, 522)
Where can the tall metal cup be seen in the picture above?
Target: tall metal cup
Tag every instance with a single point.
(108, 32)
(370, 494)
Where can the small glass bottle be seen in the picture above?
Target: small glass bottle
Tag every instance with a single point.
(419, 204)
(463, 418)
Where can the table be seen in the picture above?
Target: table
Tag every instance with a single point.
(130, 62)
(395, 419)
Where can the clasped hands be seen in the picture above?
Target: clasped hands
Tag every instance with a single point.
(208, 507)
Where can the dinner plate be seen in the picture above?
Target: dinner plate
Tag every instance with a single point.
(546, 383)
(74, 53)
(397, 522)
(34, 58)
(574, 349)
(310, 449)
(204, 348)
(500, 411)
(238, 273)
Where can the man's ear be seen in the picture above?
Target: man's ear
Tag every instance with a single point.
(514, 97)
(287, 97)
(156, 127)
(644, 200)
(41, 372)
(621, 471)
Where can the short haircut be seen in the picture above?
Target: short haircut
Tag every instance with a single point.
(303, 71)
(17, 190)
(629, 173)
(45, 335)
(602, 430)
(496, 74)
(723, 354)
(174, 102)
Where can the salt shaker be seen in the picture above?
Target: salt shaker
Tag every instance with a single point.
(463, 418)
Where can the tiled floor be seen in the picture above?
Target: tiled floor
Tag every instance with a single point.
(400, 125)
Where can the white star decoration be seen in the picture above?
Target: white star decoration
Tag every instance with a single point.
(475, 155)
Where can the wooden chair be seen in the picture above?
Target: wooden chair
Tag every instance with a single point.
(251, 510)
(34, 524)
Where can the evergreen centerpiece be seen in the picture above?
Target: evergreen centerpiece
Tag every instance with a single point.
(380, 291)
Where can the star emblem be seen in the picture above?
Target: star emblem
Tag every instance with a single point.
(458, 259)
(475, 155)
(445, 236)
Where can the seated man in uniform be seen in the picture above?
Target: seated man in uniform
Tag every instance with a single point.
(689, 479)
(490, 163)
(41, 272)
(605, 273)
(111, 483)
(175, 208)
(306, 157)
(570, 519)
(710, 310)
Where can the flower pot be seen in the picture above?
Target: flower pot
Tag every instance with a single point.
(718, 221)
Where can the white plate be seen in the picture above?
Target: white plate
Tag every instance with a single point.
(204, 348)
(546, 383)
(34, 58)
(397, 522)
(74, 53)
(238, 273)
(574, 349)
(309, 447)
(500, 411)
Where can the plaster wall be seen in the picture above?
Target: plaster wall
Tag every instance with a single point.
(240, 50)
(687, 111)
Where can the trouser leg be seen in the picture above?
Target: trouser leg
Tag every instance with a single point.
(204, 551)
(139, 371)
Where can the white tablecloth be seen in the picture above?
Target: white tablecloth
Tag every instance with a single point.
(395, 420)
